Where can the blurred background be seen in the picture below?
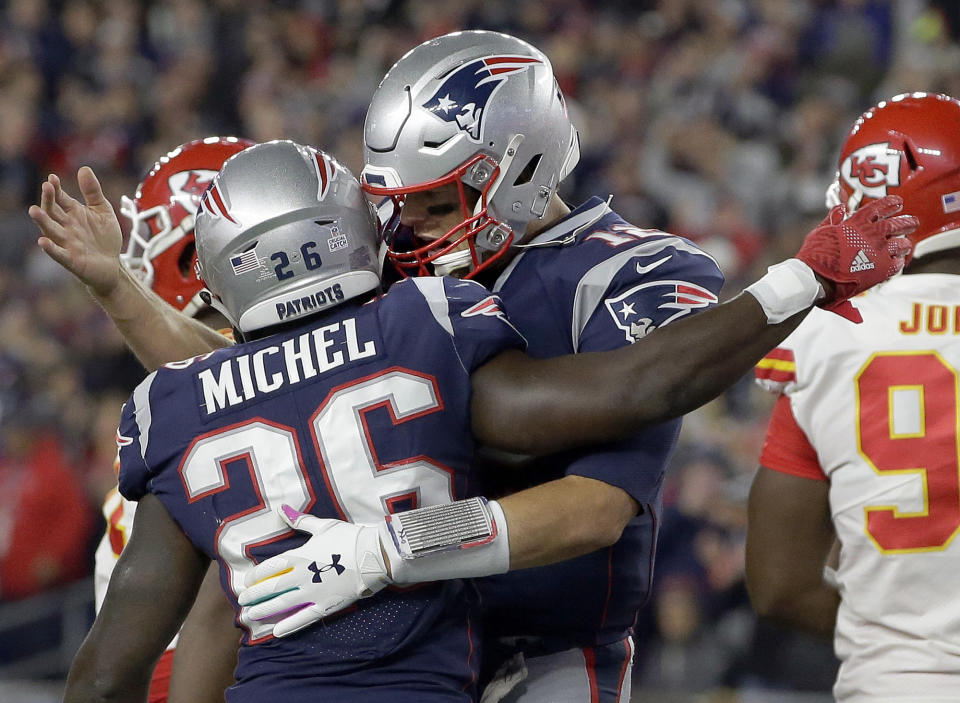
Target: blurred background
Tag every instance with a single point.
(718, 120)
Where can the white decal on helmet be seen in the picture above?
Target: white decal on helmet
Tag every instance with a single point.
(872, 169)
(186, 187)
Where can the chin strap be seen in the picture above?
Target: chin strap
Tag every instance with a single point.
(214, 302)
(570, 237)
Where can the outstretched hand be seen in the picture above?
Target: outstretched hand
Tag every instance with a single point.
(856, 252)
(84, 238)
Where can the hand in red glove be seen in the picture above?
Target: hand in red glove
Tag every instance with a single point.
(857, 252)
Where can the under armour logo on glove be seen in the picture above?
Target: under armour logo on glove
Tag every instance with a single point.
(334, 564)
(295, 586)
(859, 251)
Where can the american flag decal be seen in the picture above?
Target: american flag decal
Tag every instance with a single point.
(951, 201)
(778, 366)
(247, 261)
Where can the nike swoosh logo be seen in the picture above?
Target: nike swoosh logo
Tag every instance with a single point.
(641, 269)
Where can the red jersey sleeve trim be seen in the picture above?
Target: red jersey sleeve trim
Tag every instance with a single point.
(786, 448)
(779, 366)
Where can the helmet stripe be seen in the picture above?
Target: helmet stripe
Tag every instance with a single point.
(325, 171)
(215, 194)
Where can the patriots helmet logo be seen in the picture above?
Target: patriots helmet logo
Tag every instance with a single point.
(645, 307)
(463, 95)
(489, 307)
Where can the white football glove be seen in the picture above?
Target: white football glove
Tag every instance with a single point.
(341, 563)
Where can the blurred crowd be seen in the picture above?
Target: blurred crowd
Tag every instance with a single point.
(718, 120)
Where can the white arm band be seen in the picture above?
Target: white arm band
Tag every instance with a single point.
(463, 539)
(786, 289)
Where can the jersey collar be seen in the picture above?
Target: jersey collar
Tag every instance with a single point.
(590, 211)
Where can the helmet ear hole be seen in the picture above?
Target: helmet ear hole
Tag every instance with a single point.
(187, 257)
(910, 156)
(526, 175)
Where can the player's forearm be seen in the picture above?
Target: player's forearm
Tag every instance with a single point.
(546, 405)
(692, 362)
(469, 538)
(206, 655)
(156, 332)
(93, 678)
(813, 610)
(563, 519)
(790, 538)
(549, 523)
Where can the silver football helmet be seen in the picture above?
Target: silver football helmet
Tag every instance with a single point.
(284, 231)
(478, 109)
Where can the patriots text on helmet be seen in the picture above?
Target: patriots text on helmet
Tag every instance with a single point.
(245, 377)
(307, 304)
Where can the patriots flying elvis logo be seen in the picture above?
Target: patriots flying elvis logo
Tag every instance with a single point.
(645, 307)
(489, 307)
(464, 93)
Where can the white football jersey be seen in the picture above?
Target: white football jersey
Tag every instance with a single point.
(879, 402)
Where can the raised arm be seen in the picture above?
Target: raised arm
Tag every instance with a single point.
(85, 239)
(538, 406)
(150, 592)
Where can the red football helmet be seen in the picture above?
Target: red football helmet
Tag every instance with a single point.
(909, 146)
(161, 250)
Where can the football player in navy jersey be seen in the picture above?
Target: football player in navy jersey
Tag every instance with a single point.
(466, 175)
(587, 295)
(334, 406)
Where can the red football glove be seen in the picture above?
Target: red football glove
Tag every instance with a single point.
(858, 252)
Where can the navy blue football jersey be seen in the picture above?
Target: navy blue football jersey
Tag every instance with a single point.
(594, 282)
(361, 412)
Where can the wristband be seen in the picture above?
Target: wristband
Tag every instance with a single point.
(786, 289)
(463, 539)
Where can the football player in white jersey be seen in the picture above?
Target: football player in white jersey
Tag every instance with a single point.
(161, 253)
(864, 442)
